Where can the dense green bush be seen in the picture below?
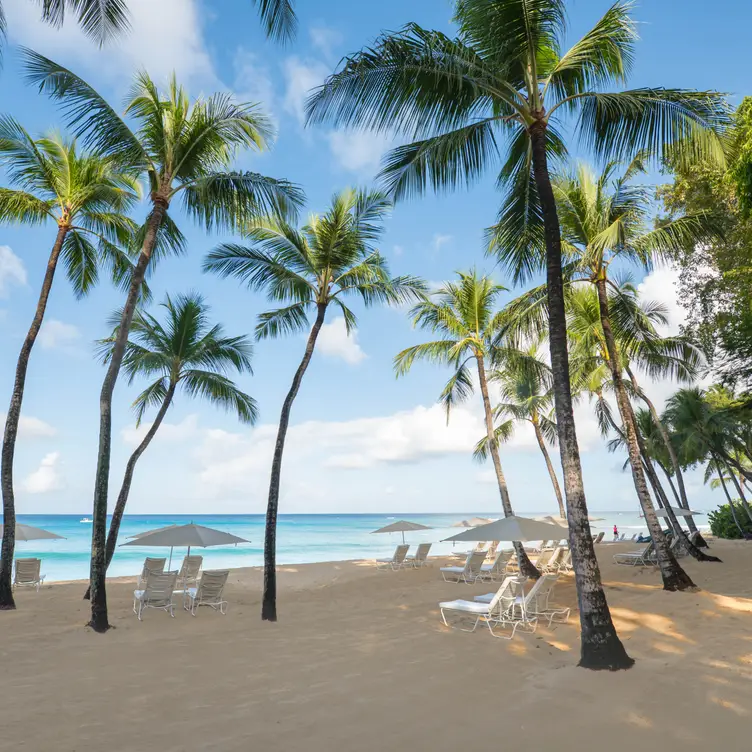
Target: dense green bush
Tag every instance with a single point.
(722, 523)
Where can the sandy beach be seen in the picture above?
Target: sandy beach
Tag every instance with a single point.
(360, 661)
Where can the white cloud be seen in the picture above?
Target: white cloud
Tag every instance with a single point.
(165, 36)
(358, 151)
(661, 286)
(439, 241)
(30, 427)
(57, 335)
(168, 432)
(335, 342)
(301, 76)
(252, 81)
(325, 39)
(46, 477)
(12, 270)
(398, 250)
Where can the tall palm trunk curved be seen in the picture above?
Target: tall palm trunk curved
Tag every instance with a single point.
(125, 487)
(550, 468)
(11, 425)
(600, 645)
(732, 507)
(526, 566)
(674, 577)
(269, 600)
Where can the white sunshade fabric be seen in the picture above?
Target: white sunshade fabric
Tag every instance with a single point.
(472, 522)
(513, 529)
(401, 526)
(154, 530)
(677, 511)
(185, 535)
(29, 533)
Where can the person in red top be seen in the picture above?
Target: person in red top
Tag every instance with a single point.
(616, 533)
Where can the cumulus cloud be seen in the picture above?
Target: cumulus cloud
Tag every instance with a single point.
(300, 77)
(30, 427)
(165, 36)
(168, 432)
(12, 271)
(439, 241)
(358, 151)
(46, 477)
(661, 285)
(325, 39)
(57, 335)
(335, 342)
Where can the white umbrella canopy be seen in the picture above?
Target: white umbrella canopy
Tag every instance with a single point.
(513, 529)
(29, 533)
(561, 521)
(401, 526)
(184, 535)
(472, 522)
(677, 511)
(155, 530)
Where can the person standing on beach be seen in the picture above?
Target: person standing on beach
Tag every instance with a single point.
(616, 533)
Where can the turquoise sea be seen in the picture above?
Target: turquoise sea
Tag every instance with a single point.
(301, 538)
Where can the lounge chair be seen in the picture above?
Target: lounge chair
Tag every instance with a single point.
(27, 573)
(523, 612)
(469, 573)
(189, 570)
(498, 569)
(150, 565)
(542, 560)
(492, 549)
(633, 538)
(637, 558)
(565, 563)
(397, 561)
(538, 601)
(421, 557)
(208, 592)
(497, 610)
(156, 594)
(598, 538)
(479, 546)
(552, 564)
(622, 537)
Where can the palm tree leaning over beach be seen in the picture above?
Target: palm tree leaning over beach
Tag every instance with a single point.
(499, 94)
(527, 397)
(465, 315)
(183, 353)
(86, 196)
(328, 260)
(183, 150)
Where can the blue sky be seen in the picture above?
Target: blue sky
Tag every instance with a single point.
(360, 440)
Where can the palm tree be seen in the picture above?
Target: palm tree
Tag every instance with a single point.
(278, 17)
(183, 352)
(100, 20)
(317, 266)
(464, 313)
(527, 397)
(85, 196)
(183, 150)
(505, 80)
(723, 474)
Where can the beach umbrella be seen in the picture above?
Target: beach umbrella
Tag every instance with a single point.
(29, 533)
(401, 526)
(154, 530)
(513, 529)
(561, 521)
(473, 522)
(677, 511)
(184, 535)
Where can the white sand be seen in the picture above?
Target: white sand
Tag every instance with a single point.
(360, 661)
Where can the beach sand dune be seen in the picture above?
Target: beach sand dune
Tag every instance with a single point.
(360, 662)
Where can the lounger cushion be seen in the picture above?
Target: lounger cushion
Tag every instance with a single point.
(456, 570)
(469, 606)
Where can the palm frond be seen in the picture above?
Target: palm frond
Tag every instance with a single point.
(278, 17)
(101, 20)
(288, 320)
(220, 391)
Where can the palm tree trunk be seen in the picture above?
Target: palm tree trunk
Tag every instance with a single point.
(526, 566)
(98, 571)
(669, 448)
(740, 491)
(11, 426)
(674, 492)
(269, 599)
(550, 467)
(731, 504)
(125, 488)
(674, 577)
(600, 646)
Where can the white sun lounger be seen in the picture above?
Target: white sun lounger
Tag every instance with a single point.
(552, 564)
(150, 565)
(497, 610)
(637, 558)
(542, 561)
(209, 592)
(421, 557)
(27, 573)
(598, 538)
(189, 570)
(565, 563)
(469, 573)
(156, 594)
(498, 569)
(397, 561)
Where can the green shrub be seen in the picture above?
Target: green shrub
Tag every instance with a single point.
(722, 523)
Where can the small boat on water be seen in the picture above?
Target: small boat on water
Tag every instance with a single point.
(85, 519)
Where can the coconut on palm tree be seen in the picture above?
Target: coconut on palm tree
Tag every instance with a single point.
(183, 353)
(465, 314)
(502, 93)
(184, 151)
(85, 196)
(526, 394)
(310, 270)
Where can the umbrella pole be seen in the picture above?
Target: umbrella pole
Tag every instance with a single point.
(403, 536)
(169, 565)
